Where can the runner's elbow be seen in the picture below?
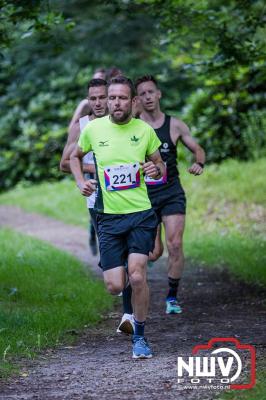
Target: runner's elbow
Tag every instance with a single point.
(64, 167)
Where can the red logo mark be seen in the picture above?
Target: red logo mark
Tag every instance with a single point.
(238, 346)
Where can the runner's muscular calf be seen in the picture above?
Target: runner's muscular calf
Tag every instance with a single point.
(175, 224)
(167, 195)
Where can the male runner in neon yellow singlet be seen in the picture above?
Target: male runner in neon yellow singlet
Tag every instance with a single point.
(126, 223)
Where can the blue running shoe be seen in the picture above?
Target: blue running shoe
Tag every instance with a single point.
(141, 348)
(173, 307)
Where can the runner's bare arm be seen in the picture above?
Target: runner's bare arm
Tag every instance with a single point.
(65, 160)
(155, 167)
(181, 131)
(81, 110)
(72, 138)
(86, 186)
(90, 168)
(73, 135)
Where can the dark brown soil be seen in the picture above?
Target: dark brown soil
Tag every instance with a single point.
(99, 365)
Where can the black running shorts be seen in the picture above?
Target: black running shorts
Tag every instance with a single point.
(170, 200)
(122, 234)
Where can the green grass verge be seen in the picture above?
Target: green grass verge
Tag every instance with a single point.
(256, 393)
(225, 219)
(245, 256)
(232, 180)
(60, 200)
(44, 293)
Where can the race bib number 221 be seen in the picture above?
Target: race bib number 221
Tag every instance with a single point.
(122, 177)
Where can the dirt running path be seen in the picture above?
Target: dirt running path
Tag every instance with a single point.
(70, 238)
(99, 366)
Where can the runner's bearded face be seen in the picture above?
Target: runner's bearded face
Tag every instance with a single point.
(119, 103)
(97, 98)
(149, 96)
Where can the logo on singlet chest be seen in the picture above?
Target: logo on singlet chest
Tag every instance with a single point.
(165, 148)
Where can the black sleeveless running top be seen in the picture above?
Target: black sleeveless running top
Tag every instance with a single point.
(168, 149)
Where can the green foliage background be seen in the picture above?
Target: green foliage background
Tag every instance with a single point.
(209, 57)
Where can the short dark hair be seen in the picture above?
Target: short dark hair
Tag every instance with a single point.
(123, 80)
(145, 78)
(112, 72)
(97, 82)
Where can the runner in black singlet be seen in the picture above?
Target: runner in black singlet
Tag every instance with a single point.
(167, 198)
(167, 195)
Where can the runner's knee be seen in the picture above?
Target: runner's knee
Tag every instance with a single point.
(174, 245)
(137, 279)
(114, 287)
